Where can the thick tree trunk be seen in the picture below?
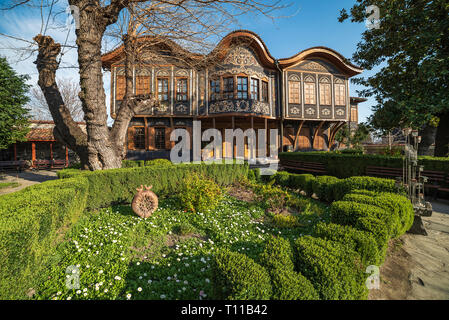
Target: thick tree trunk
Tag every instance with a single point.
(427, 133)
(103, 152)
(66, 129)
(442, 136)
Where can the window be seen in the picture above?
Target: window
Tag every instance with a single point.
(309, 93)
(264, 91)
(228, 88)
(254, 89)
(159, 138)
(242, 88)
(215, 90)
(139, 138)
(325, 94)
(142, 85)
(294, 92)
(181, 90)
(120, 88)
(162, 89)
(340, 94)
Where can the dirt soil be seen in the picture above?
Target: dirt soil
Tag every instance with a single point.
(25, 179)
(416, 266)
(241, 193)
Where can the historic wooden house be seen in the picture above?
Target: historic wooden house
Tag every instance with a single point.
(238, 85)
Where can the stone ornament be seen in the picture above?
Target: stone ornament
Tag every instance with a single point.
(145, 202)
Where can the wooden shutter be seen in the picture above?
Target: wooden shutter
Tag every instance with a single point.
(168, 144)
(151, 137)
(131, 138)
(142, 85)
(120, 88)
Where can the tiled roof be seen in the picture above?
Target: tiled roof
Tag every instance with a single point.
(36, 134)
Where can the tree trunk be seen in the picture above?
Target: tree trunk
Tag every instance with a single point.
(103, 152)
(427, 139)
(66, 129)
(442, 136)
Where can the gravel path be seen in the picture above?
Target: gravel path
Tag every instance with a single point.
(417, 267)
(25, 179)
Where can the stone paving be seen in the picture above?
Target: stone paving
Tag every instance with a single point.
(26, 178)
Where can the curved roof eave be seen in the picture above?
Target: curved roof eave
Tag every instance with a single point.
(322, 52)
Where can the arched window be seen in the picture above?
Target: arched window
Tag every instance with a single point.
(340, 92)
(325, 91)
(309, 90)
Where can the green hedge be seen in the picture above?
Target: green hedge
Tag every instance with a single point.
(237, 277)
(335, 271)
(32, 221)
(342, 187)
(364, 217)
(361, 242)
(399, 207)
(343, 165)
(287, 284)
(146, 163)
(119, 185)
(324, 187)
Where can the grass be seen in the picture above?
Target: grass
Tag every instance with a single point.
(167, 256)
(4, 185)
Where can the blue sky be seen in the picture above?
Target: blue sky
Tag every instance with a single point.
(308, 23)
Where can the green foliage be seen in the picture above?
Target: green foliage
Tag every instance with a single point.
(345, 186)
(277, 258)
(302, 182)
(286, 221)
(335, 271)
(159, 163)
(198, 193)
(4, 185)
(323, 187)
(31, 222)
(361, 242)
(119, 185)
(399, 207)
(14, 124)
(282, 178)
(274, 198)
(364, 217)
(237, 277)
(409, 51)
(355, 138)
(183, 229)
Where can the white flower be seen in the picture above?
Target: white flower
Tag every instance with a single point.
(138, 263)
(162, 296)
(207, 280)
(128, 296)
(139, 289)
(117, 278)
(106, 290)
(100, 272)
(69, 298)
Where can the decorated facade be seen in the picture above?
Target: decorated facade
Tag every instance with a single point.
(238, 85)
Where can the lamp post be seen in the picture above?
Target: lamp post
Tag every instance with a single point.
(413, 180)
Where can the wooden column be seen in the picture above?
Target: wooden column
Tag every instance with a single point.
(66, 156)
(297, 134)
(15, 151)
(33, 153)
(147, 138)
(316, 133)
(51, 154)
(267, 151)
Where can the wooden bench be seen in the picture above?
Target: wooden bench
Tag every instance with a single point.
(383, 172)
(446, 183)
(42, 164)
(313, 167)
(13, 165)
(435, 181)
(59, 164)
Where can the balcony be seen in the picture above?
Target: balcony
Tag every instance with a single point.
(249, 106)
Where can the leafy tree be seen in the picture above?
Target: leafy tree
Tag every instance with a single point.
(412, 47)
(353, 138)
(13, 98)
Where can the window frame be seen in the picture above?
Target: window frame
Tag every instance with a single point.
(264, 94)
(135, 135)
(158, 80)
(308, 95)
(291, 99)
(227, 93)
(255, 93)
(214, 95)
(155, 137)
(338, 97)
(243, 91)
(326, 95)
(186, 93)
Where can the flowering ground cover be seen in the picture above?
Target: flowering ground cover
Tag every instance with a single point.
(167, 256)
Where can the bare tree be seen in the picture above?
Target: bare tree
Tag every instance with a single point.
(193, 22)
(69, 92)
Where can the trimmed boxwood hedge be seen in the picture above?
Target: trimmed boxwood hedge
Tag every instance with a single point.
(399, 207)
(348, 165)
(119, 185)
(237, 277)
(360, 241)
(324, 187)
(32, 220)
(336, 271)
(287, 284)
